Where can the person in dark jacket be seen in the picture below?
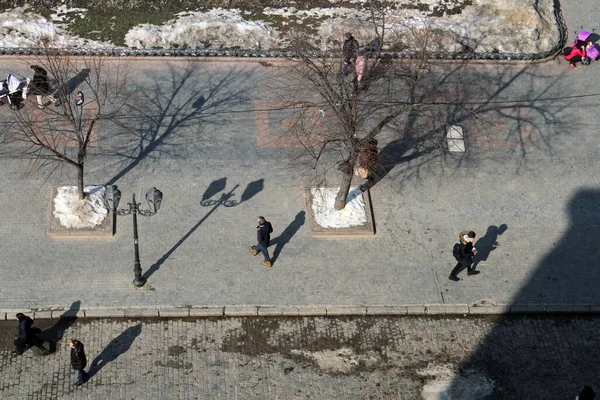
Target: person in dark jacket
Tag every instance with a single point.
(27, 336)
(465, 256)
(587, 393)
(263, 237)
(40, 86)
(78, 361)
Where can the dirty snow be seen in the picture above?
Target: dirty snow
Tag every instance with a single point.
(485, 25)
(342, 360)
(354, 214)
(78, 214)
(21, 28)
(215, 28)
(444, 383)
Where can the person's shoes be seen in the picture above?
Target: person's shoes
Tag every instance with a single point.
(45, 353)
(573, 65)
(253, 250)
(268, 264)
(473, 272)
(78, 383)
(41, 107)
(454, 278)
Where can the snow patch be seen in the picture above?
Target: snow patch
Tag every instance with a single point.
(354, 214)
(79, 214)
(342, 360)
(445, 384)
(215, 28)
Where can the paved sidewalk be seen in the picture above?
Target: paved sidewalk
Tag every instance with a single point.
(536, 172)
(309, 358)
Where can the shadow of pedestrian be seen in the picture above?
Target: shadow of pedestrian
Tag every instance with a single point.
(55, 334)
(287, 234)
(488, 243)
(66, 88)
(252, 189)
(115, 348)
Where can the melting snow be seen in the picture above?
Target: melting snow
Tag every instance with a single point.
(483, 25)
(354, 214)
(75, 213)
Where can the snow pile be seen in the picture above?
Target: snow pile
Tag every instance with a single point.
(512, 26)
(78, 214)
(327, 216)
(213, 29)
(19, 28)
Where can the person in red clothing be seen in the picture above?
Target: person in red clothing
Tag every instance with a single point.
(576, 53)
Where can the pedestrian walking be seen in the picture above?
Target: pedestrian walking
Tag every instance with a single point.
(463, 252)
(40, 86)
(263, 237)
(349, 50)
(587, 393)
(27, 336)
(78, 361)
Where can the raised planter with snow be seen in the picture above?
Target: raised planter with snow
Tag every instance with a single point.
(70, 216)
(324, 219)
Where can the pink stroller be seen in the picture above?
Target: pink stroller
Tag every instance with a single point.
(591, 50)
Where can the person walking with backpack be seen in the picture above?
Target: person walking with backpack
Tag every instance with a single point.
(263, 237)
(463, 252)
(78, 361)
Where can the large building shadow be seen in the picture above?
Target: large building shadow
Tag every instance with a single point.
(567, 275)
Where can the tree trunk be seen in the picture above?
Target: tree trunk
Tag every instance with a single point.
(80, 193)
(340, 199)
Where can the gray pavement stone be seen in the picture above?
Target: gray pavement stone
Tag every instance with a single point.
(43, 314)
(173, 312)
(350, 358)
(241, 311)
(311, 310)
(568, 308)
(520, 173)
(387, 310)
(415, 310)
(104, 313)
(289, 310)
(457, 309)
(341, 310)
(435, 309)
(528, 308)
(498, 309)
(207, 311)
(141, 312)
(266, 311)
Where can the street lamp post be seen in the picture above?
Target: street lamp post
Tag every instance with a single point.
(154, 198)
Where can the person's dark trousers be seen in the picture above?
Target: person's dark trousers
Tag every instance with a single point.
(81, 375)
(264, 251)
(463, 264)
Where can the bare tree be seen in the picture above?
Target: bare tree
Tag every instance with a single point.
(53, 136)
(339, 113)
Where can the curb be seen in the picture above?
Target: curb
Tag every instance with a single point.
(305, 311)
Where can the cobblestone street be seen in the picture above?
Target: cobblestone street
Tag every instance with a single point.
(309, 358)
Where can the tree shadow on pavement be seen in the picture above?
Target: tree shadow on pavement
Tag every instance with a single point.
(488, 243)
(55, 334)
(173, 118)
(567, 277)
(287, 234)
(115, 348)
